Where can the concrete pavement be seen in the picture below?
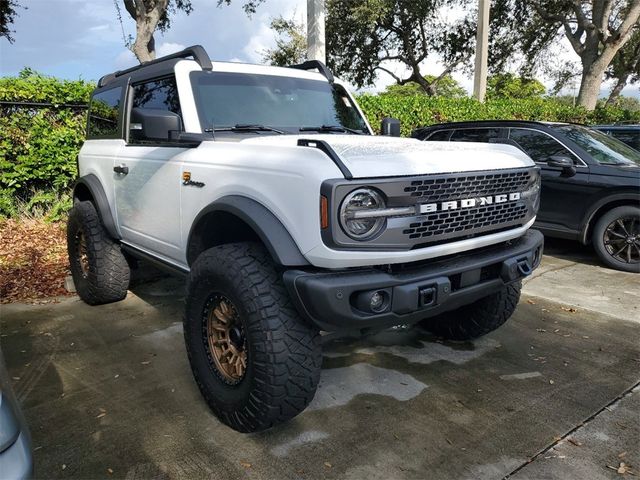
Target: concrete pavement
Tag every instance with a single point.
(108, 392)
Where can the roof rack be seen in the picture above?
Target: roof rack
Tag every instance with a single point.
(198, 53)
(315, 65)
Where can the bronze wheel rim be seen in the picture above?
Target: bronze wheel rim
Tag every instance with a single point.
(226, 339)
(82, 252)
(622, 239)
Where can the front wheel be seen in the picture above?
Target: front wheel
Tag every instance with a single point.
(256, 362)
(478, 318)
(616, 238)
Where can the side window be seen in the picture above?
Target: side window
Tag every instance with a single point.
(439, 136)
(482, 135)
(155, 95)
(539, 146)
(103, 114)
(631, 138)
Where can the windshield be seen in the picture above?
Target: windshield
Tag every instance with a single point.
(226, 99)
(604, 149)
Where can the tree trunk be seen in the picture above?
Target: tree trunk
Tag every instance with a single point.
(593, 68)
(429, 88)
(147, 18)
(590, 88)
(144, 46)
(615, 93)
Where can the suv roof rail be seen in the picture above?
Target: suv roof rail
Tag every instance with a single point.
(198, 53)
(315, 65)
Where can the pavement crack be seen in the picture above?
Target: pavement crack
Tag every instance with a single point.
(572, 431)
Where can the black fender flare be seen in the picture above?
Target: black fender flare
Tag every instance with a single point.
(588, 218)
(265, 224)
(93, 185)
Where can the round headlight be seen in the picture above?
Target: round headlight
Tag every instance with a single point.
(353, 213)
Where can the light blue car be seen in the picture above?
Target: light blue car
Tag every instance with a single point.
(16, 458)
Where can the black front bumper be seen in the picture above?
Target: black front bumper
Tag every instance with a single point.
(337, 300)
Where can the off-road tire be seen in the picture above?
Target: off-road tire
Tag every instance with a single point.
(105, 276)
(478, 318)
(598, 237)
(283, 353)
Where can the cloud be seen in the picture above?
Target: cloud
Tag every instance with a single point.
(168, 48)
(262, 40)
(263, 37)
(126, 58)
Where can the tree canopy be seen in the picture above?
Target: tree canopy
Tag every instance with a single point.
(508, 85)
(8, 13)
(447, 86)
(291, 43)
(363, 37)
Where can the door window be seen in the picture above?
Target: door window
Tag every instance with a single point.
(159, 94)
(539, 146)
(482, 135)
(439, 136)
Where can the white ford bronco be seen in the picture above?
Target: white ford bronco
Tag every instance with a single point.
(267, 189)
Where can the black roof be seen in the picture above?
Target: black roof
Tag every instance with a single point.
(165, 65)
(159, 65)
(489, 123)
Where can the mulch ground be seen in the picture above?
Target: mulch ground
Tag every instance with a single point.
(33, 260)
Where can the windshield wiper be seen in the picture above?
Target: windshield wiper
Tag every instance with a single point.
(331, 128)
(245, 127)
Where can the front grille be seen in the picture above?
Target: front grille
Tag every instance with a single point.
(459, 187)
(448, 207)
(472, 219)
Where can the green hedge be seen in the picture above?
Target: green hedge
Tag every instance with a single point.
(420, 110)
(39, 146)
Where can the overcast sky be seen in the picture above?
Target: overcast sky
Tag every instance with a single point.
(83, 38)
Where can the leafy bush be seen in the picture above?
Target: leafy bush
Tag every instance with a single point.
(39, 145)
(419, 110)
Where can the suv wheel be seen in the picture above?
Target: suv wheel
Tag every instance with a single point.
(100, 271)
(255, 361)
(478, 318)
(616, 238)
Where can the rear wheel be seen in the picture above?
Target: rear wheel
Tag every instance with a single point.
(256, 362)
(616, 238)
(478, 318)
(100, 271)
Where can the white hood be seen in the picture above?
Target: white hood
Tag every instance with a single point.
(369, 156)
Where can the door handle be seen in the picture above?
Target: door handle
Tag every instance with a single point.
(121, 169)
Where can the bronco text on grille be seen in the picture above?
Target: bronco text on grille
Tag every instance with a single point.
(436, 209)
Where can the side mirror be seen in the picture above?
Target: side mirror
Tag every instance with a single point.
(390, 127)
(153, 124)
(563, 162)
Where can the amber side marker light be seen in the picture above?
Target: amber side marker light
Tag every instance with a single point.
(324, 212)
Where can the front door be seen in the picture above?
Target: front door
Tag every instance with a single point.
(148, 178)
(561, 197)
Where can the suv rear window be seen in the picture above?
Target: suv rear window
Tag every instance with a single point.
(630, 137)
(482, 135)
(103, 114)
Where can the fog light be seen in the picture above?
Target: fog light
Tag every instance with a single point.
(373, 301)
(377, 301)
